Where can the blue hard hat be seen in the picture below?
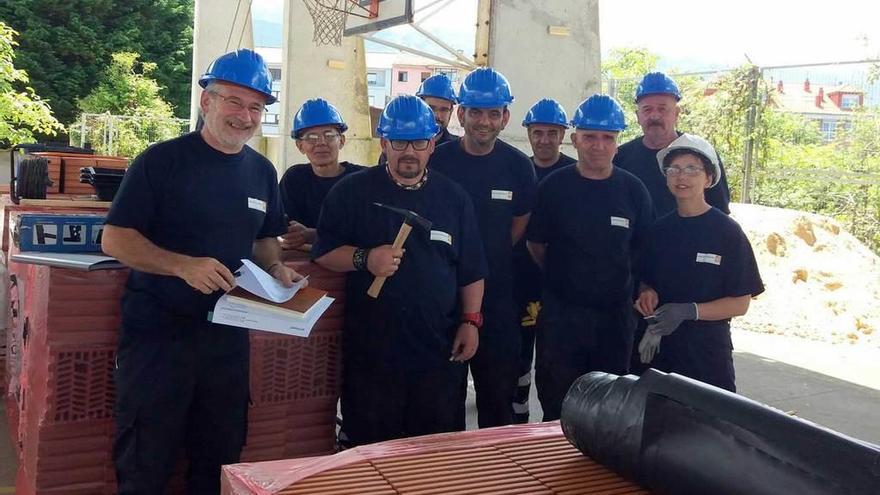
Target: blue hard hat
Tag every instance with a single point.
(316, 112)
(438, 86)
(407, 118)
(546, 111)
(657, 83)
(484, 88)
(243, 67)
(600, 113)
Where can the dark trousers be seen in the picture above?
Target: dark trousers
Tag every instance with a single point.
(575, 340)
(703, 352)
(180, 384)
(528, 324)
(494, 368)
(381, 403)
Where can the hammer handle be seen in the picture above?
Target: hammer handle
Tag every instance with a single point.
(402, 234)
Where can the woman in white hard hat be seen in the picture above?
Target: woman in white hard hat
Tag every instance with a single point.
(697, 272)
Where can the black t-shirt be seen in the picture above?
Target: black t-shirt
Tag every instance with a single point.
(591, 228)
(188, 198)
(641, 161)
(502, 186)
(413, 321)
(303, 192)
(526, 272)
(699, 259)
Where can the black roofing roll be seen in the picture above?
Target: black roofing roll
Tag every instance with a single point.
(679, 436)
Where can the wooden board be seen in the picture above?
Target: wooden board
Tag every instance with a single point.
(66, 203)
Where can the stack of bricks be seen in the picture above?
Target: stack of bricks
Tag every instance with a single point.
(295, 382)
(527, 459)
(61, 402)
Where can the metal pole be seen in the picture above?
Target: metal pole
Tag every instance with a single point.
(420, 53)
(748, 154)
(481, 43)
(445, 46)
(82, 131)
(110, 135)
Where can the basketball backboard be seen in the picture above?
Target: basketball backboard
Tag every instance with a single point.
(390, 13)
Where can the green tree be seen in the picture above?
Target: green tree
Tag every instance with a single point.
(135, 113)
(64, 44)
(22, 112)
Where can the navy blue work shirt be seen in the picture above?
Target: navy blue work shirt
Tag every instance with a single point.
(527, 273)
(591, 229)
(413, 322)
(699, 259)
(303, 192)
(502, 186)
(189, 198)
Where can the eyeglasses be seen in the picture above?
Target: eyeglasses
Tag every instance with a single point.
(688, 170)
(234, 104)
(314, 138)
(417, 145)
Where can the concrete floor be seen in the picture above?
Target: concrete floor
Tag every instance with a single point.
(837, 404)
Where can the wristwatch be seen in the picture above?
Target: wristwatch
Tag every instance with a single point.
(475, 319)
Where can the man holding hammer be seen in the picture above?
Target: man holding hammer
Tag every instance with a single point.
(414, 291)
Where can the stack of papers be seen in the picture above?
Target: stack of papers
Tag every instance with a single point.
(260, 302)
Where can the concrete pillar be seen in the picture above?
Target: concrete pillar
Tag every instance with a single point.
(219, 26)
(546, 49)
(335, 73)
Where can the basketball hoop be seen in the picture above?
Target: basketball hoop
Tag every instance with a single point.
(329, 16)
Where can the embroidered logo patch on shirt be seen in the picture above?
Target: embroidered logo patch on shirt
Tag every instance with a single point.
(257, 204)
(714, 259)
(439, 235)
(620, 222)
(499, 194)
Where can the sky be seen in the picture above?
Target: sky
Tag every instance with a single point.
(690, 34)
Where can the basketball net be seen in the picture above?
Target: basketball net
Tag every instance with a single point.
(329, 17)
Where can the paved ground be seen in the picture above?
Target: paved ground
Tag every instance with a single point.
(841, 404)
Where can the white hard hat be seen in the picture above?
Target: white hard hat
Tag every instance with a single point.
(696, 144)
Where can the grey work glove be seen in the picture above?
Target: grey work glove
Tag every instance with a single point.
(649, 347)
(668, 317)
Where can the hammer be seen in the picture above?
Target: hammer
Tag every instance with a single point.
(410, 218)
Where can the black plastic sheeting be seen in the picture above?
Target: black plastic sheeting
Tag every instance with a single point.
(674, 435)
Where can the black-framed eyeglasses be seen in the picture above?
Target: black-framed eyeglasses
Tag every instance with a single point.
(417, 145)
(689, 170)
(313, 138)
(234, 104)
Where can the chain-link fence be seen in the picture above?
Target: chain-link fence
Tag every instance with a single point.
(123, 135)
(805, 137)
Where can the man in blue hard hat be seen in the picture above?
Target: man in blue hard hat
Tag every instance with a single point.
(403, 351)
(319, 131)
(657, 111)
(188, 211)
(587, 221)
(501, 182)
(438, 93)
(546, 124)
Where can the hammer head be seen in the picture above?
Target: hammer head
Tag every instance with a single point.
(409, 217)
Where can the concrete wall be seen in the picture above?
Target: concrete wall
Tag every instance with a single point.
(335, 73)
(543, 65)
(215, 32)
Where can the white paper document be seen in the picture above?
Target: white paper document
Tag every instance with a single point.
(229, 312)
(255, 280)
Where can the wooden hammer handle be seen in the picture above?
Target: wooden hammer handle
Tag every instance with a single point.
(402, 234)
